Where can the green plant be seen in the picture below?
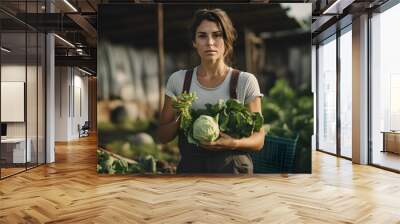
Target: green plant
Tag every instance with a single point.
(183, 103)
(233, 117)
(108, 164)
(288, 113)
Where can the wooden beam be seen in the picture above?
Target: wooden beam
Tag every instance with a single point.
(160, 32)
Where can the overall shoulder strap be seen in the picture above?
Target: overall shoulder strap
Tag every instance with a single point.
(233, 83)
(188, 81)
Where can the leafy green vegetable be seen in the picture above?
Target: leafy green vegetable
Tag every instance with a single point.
(237, 121)
(120, 166)
(149, 163)
(232, 116)
(205, 129)
(102, 159)
(183, 104)
(111, 165)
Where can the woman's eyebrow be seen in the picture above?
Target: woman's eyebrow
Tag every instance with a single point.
(202, 32)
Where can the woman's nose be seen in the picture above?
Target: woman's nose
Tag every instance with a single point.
(210, 41)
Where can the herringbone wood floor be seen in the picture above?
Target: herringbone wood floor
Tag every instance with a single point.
(70, 191)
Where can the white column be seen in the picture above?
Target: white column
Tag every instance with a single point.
(314, 91)
(360, 90)
(50, 93)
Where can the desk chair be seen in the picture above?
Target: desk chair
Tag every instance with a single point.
(84, 130)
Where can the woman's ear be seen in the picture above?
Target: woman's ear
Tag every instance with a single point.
(194, 44)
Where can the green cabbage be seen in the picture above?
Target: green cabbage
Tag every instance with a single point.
(205, 129)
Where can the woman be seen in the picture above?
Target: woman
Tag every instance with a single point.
(212, 36)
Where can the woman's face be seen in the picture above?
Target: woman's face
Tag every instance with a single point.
(209, 41)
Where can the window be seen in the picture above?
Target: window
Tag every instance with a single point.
(385, 88)
(346, 93)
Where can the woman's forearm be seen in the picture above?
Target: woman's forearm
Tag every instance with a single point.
(167, 132)
(253, 143)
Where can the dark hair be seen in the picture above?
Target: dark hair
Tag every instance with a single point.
(222, 20)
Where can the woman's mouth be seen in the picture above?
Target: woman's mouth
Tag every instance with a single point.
(210, 51)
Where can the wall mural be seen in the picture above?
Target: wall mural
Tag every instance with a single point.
(148, 125)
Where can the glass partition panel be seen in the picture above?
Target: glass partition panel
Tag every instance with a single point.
(31, 98)
(327, 96)
(22, 87)
(41, 98)
(32, 85)
(15, 151)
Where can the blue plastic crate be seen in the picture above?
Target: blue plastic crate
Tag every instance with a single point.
(277, 155)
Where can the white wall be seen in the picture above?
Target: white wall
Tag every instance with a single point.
(61, 103)
(71, 94)
(12, 73)
(79, 110)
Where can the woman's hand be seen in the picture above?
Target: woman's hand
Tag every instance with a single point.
(253, 143)
(224, 142)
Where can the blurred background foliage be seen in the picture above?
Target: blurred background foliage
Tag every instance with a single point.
(288, 112)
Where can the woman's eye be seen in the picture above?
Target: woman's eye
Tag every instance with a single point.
(218, 35)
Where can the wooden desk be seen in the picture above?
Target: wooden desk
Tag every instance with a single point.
(391, 141)
(13, 150)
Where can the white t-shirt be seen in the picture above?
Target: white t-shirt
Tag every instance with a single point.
(247, 88)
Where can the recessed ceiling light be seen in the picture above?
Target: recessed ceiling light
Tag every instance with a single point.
(5, 50)
(337, 7)
(84, 71)
(64, 40)
(70, 5)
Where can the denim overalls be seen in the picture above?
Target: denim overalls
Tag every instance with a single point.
(195, 159)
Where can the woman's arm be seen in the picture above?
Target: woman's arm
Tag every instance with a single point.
(169, 122)
(253, 143)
